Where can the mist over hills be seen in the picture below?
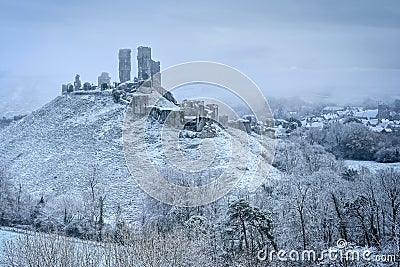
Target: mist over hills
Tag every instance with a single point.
(21, 96)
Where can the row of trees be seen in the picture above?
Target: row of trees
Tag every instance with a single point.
(15, 205)
(356, 141)
(321, 200)
(74, 215)
(316, 201)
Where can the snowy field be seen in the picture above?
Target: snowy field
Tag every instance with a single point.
(372, 165)
(4, 237)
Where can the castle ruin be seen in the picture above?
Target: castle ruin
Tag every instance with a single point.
(195, 115)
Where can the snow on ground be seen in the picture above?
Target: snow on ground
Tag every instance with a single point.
(372, 165)
(56, 149)
(369, 113)
(4, 237)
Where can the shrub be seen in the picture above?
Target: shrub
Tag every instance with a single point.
(388, 155)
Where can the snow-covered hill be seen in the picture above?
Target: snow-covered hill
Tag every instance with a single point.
(54, 151)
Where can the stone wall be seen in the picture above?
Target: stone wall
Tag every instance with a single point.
(140, 104)
(104, 78)
(147, 67)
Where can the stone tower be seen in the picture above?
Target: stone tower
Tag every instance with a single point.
(124, 56)
(147, 68)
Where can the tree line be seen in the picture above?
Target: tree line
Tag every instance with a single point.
(316, 200)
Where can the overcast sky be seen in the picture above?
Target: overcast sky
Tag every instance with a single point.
(312, 49)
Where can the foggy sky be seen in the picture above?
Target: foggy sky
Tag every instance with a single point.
(312, 49)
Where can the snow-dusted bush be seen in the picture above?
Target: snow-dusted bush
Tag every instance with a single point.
(117, 95)
(140, 249)
(388, 155)
(15, 204)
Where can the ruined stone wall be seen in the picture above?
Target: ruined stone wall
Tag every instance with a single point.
(147, 67)
(155, 67)
(64, 89)
(155, 74)
(140, 104)
(144, 65)
(212, 111)
(104, 78)
(193, 107)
